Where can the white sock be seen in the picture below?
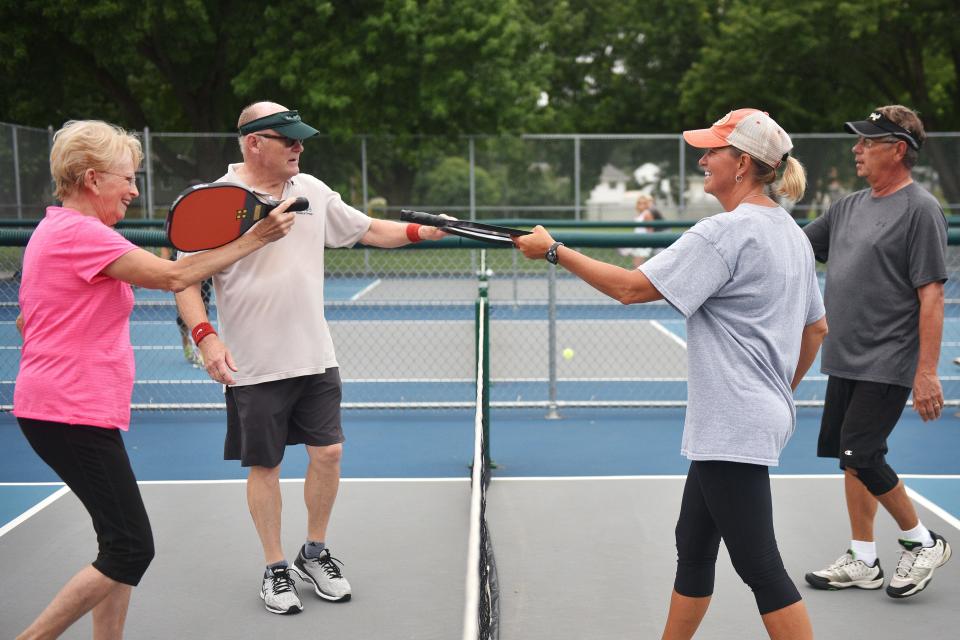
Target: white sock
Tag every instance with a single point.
(863, 550)
(918, 534)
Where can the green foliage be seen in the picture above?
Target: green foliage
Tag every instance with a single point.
(419, 74)
(401, 67)
(448, 184)
(165, 64)
(616, 64)
(822, 62)
(451, 67)
(818, 64)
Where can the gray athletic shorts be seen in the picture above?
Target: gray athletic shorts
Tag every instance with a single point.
(262, 419)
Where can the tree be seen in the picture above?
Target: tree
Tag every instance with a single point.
(616, 65)
(167, 64)
(402, 68)
(815, 65)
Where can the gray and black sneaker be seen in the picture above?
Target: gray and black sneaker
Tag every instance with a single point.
(324, 574)
(916, 566)
(279, 593)
(847, 572)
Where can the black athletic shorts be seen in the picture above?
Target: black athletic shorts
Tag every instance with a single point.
(93, 462)
(262, 419)
(858, 416)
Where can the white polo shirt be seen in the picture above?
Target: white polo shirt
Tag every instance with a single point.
(270, 304)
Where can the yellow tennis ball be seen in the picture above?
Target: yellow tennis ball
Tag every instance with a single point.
(568, 354)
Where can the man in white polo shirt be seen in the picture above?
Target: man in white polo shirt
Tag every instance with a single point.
(281, 377)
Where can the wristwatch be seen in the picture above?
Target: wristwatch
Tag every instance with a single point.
(552, 256)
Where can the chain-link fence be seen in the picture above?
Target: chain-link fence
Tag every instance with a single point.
(575, 176)
(403, 320)
(403, 324)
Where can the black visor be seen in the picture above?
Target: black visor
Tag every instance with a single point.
(878, 125)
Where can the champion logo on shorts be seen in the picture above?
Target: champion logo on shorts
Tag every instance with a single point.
(848, 452)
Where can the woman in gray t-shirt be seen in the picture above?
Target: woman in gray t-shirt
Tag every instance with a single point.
(746, 282)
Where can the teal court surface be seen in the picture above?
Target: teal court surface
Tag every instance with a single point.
(581, 509)
(581, 512)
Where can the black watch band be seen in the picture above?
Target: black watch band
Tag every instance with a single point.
(552, 256)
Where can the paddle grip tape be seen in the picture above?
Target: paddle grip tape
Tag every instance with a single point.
(201, 331)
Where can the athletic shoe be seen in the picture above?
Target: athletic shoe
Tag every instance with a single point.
(279, 592)
(324, 574)
(916, 566)
(847, 572)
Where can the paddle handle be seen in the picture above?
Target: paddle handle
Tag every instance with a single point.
(419, 217)
(300, 204)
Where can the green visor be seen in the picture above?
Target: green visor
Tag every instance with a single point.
(286, 123)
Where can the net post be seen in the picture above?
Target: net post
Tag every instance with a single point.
(483, 352)
(148, 176)
(552, 413)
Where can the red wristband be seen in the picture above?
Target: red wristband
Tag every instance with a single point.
(413, 232)
(201, 331)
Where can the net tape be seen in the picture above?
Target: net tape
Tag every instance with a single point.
(482, 607)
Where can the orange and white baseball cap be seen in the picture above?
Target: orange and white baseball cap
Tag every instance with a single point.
(750, 130)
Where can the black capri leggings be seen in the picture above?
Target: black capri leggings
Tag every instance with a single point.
(730, 500)
(93, 462)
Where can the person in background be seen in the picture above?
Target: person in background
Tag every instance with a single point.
(74, 386)
(645, 212)
(885, 250)
(749, 345)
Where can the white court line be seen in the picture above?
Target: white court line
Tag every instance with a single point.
(31, 484)
(914, 495)
(784, 476)
(35, 509)
(243, 480)
(63, 490)
(300, 481)
(937, 509)
(670, 334)
(367, 289)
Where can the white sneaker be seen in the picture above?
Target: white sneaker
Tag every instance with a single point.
(324, 574)
(846, 572)
(279, 593)
(916, 566)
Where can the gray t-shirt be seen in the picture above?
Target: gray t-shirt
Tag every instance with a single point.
(878, 252)
(746, 283)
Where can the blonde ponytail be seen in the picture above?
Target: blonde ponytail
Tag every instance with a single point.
(794, 180)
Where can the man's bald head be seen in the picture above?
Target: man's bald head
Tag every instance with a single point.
(257, 110)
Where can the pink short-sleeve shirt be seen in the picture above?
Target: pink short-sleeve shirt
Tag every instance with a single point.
(77, 362)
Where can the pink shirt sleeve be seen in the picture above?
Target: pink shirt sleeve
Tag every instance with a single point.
(96, 247)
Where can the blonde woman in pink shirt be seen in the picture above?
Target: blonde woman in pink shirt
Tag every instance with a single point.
(72, 396)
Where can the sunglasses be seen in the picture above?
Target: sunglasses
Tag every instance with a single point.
(869, 143)
(284, 140)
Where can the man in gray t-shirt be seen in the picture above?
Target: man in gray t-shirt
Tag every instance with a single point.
(885, 253)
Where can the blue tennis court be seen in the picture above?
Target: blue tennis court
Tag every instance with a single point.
(604, 476)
